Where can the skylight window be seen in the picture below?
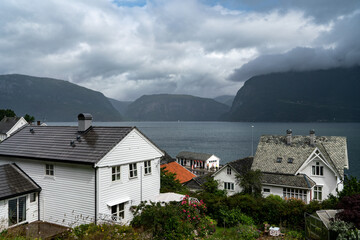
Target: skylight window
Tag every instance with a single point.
(279, 160)
(290, 160)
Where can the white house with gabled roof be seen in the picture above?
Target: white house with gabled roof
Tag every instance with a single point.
(9, 125)
(304, 167)
(86, 173)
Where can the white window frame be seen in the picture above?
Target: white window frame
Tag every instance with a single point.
(317, 169)
(318, 193)
(229, 186)
(17, 211)
(300, 194)
(115, 173)
(118, 212)
(266, 190)
(49, 170)
(133, 170)
(228, 170)
(147, 167)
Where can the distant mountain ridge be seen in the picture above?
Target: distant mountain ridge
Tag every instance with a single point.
(171, 107)
(225, 99)
(322, 95)
(53, 100)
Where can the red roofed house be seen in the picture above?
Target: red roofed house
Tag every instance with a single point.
(182, 174)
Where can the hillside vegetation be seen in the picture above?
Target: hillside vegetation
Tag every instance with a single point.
(53, 100)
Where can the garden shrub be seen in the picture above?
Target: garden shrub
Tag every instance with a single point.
(248, 204)
(351, 209)
(345, 230)
(174, 221)
(233, 217)
(294, 213)
(272, 209)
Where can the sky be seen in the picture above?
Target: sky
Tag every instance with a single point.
(129, 48)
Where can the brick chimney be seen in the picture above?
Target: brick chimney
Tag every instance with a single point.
(84, 121)
(288, 136)
(312, 137)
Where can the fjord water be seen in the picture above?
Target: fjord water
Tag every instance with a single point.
(233, 140)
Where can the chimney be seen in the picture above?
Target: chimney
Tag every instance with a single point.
(288, 136)
(38, 123)
(84, 121)
(312, 137)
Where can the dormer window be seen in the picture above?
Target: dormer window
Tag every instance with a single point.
(290, 160)
(279, 160)
(317, 170)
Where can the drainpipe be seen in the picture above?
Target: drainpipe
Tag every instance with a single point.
(140, 184)
(95, 195)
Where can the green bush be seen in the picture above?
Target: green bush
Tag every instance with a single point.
(248, 205)
(174, 221)
(273, 208)
(293, 215)
(233, 217)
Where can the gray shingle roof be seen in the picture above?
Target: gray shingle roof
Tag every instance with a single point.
(271, 147)
(14, 182)
(7, 123)
(242, 165)
(194, 155)
(54, 143)
(298, 181)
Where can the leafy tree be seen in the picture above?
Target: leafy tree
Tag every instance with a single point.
(351, 210)
(169, 183)
(250, 182)
(351, 187)
(29, 118)
(7, 113)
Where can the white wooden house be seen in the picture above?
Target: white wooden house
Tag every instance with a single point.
(194, 160)
(86, 173)
(302, 167)
(9, 125)
(227, 175)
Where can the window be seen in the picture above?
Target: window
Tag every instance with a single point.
(228, 170)
(229, 186)
(147, 167)
(49, 170)
(318, 193)
(17, 210)
(33, 197)
(290, 160)
(317, 170)
(115, 173)
(279, 160)
(295, 193)
(266, 190)
(118, 212)
(132, 170)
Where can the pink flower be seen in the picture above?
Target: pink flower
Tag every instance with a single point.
(188, 216)
(184, 210)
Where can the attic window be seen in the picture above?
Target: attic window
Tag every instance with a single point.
(279, 160)
(290, 160)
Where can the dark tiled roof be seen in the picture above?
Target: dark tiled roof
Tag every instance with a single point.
(298, 181)
(194, 156)
(242, 165)
(54, 143)
(7, 123)
(14, 182)
(334, 150)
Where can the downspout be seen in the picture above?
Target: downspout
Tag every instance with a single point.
(95, 195)
(140, 184)
(39, 206)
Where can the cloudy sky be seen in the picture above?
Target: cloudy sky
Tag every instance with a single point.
(128, 48)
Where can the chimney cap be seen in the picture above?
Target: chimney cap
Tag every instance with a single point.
(312, 131)
(85, 116)
(289, 131)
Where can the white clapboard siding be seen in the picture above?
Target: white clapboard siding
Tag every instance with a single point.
(69, 197)
(3, 215)
(222, 177)
(22, 122)
(31, 209)
(133, 148)
(145, 186)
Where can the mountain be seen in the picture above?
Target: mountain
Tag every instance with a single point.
(322, 95)
(169, 107)
(53, 100)
(121, 106)
(225, 99)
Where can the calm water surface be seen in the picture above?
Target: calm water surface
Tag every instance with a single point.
(235, 140)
